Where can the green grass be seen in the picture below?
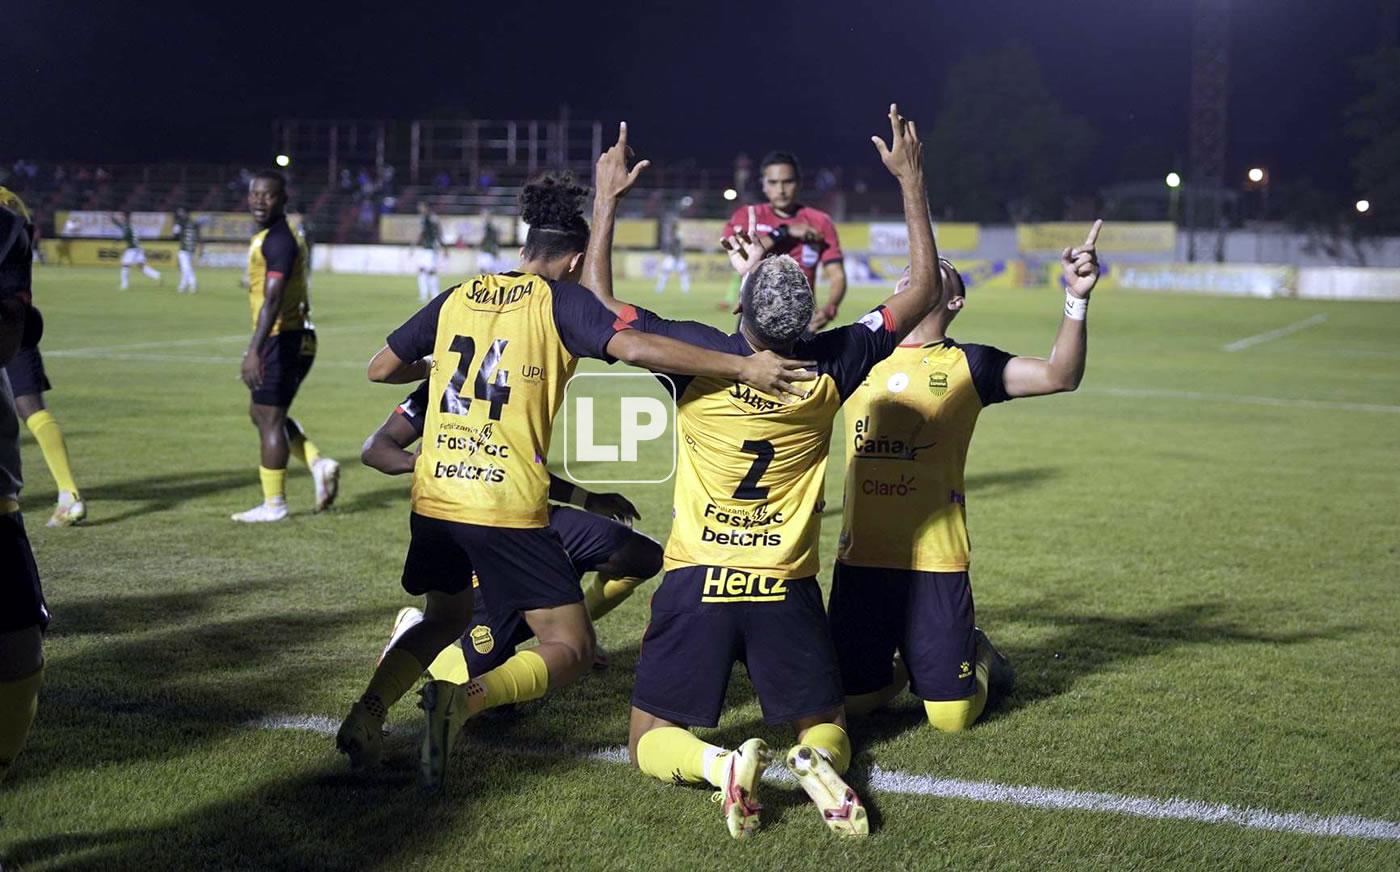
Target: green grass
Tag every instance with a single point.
(1199, 594)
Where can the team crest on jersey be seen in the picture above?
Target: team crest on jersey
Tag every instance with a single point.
(482, 640)
(938, 383)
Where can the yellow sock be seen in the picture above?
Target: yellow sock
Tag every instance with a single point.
(520, 679)
(50, 438)
(674, 755)
(393, 677)
(301, 448)
(834, 744)
(450, 665)
(606, 594)
(19, 700)
(957, 715)
(274, 484)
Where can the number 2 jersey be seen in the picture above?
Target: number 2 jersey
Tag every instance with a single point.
(751, 469)
(503, 347)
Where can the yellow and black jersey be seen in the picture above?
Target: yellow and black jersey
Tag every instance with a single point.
(908, 427)
(277, 251)
(750, 472)
(503, 347)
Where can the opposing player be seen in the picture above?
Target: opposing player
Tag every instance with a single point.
(901, 581)
(281, 351)
(134, 254)
(673, 249)
(187, 233)
(488, 253)
(28, 382)
(784, 226)
(23, 612)
(480, 487)
(742, 558)
(598, 539)
(426, 251)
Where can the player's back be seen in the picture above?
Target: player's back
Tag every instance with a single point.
(750, 470)
(503, 347)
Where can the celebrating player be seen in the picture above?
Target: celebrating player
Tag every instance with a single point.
(480, 488)
(742, 558)
(28, 382)
(785, 226)
(426, 251)
(599, 539)
(134, 255)
(23, 613)
(901, 580)
(187, 232)
(281, 351)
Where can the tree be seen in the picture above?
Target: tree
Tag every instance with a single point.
(1374, 122)
(1002, 146)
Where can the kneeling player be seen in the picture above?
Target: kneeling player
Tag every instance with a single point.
(598, 540)
(23, 613)
(741, 561)
(901, 580)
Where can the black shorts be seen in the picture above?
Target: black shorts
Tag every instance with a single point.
(519, 569)
(588, 539)
(927, 616)
(705, 619)
(287, 358)
(26, 372)
(21, 597)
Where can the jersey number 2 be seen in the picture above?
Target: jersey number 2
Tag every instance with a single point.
(748, 489)
(490, 379)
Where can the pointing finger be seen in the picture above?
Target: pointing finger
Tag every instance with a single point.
(1093, 236)
(622, 133)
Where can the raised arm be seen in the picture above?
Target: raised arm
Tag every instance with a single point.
(612, 180)
(764, 371)
(904, 158)
(386, 368)
(1064, 368)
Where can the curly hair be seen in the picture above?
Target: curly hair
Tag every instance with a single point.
(552, 206)
(777, 301)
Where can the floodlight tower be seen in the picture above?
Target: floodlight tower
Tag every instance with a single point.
(1210, 68)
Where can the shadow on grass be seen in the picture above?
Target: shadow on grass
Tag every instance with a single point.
(154, 494)
(1087, 644)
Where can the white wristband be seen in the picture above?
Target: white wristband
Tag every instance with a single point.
(1076, 309)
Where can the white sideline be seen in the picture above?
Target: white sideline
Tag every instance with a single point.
(1242, 344)
(890, 781)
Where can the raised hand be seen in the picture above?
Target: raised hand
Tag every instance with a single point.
(777, 376)
(744, 251)
(904, 156)
(611, 178)
(1081, 265)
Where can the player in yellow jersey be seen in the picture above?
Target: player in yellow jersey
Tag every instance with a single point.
(23, 613)
(742, 558)
(281, 351)
(901, 581)
(502, 348)
(29, 382)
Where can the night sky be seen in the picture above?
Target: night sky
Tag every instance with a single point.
(153, 81)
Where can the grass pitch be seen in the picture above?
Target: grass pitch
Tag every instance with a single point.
(1193, 563)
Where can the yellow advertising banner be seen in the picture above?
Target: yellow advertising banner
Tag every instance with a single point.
(636, 233)
(104, 252)
(1116, 236)
(1214, 279)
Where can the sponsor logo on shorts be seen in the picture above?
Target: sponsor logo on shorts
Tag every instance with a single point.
(964, 670)
(482, 641)
(734, 586)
